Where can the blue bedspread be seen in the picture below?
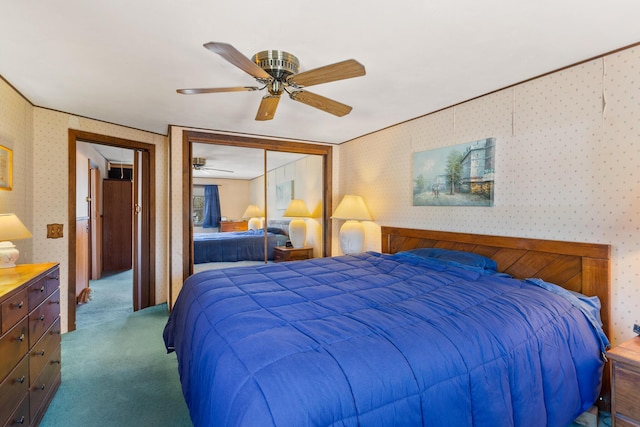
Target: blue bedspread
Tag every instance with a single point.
(379, 340)
(234, 246)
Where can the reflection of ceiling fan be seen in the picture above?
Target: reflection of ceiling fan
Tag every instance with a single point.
(199, 164)
(277, 71)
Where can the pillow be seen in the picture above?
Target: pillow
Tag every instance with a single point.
(459, 257)
(276, 230)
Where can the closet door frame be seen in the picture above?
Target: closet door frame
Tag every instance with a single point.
(189, 137)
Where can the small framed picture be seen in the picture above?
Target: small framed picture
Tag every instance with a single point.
(6, 168)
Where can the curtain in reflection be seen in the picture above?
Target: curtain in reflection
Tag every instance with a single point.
(211, 206)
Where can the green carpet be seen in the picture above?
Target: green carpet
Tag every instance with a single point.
(115, 369)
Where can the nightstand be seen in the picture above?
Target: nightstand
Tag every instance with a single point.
(281, 253)
(625, 383)
(226, 226)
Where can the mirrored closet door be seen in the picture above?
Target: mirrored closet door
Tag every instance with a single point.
(241, 197)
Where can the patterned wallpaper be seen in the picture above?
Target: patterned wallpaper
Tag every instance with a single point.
(16, 130)
(567, 167)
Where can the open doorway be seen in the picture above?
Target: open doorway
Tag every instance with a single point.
(143, 223)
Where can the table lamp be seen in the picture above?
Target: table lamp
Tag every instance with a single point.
(253, 212)
(352, 209)
(11, 228)
(297, 210)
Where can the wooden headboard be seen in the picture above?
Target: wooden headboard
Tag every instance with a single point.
(580, 267)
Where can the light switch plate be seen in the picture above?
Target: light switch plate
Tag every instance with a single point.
(54, 231)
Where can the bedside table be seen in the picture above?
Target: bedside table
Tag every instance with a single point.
(625, 383)
(281, 253)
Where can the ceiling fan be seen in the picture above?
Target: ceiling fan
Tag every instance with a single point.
(200, 164)
(277, 71)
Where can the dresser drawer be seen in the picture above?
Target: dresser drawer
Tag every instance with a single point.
(44, 287)
(13, 345)
(20, 416)
(12, 310)
(44, 386)
(13, 389)
(43, 316)
(43, 351)
(627, 396)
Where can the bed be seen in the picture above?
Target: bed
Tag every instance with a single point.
(399, 337)
(236, 245)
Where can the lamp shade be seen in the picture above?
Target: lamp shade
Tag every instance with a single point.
(352, 207)
(297, 209)
(252, 211)
(11, 228)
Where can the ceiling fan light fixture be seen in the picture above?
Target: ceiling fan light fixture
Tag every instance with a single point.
(277, 63)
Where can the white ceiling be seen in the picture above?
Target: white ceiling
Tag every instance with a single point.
(121, 61)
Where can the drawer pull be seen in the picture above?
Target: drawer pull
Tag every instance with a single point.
(40, 353)
(20, 380)
(55, 362)
(41, 317)
(21, 338)
(19, 304)
(20, 420)
(42, 288)
(54, 277)
(40, 387)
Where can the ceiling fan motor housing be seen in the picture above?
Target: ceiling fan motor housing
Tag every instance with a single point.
(277, 63)
(199, 162)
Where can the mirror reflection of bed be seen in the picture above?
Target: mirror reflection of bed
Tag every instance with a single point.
(251, 221)
(237, 248)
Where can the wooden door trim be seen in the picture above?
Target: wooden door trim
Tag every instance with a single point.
(188, 137)
(93, 138)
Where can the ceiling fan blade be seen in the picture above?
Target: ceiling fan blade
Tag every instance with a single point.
(329, 73)
(217, 170)
(217, 90)
(234, 56)
(267, 108)
(320, 102)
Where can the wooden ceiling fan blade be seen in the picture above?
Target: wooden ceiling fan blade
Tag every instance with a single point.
(267, 108)
(322, 103)
(329, 73)
(235, 57)
(217, 90)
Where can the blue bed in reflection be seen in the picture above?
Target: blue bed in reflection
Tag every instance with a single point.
(235, 246)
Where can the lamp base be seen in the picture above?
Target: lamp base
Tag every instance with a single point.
(8, 254)
(254, 224)
(298, 232)
(352, 237)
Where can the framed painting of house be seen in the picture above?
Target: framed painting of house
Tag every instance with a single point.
(459, 175)
(6, 171)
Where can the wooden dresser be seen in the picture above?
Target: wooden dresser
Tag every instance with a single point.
(234, 226)
(625, 383)
(29, 341)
